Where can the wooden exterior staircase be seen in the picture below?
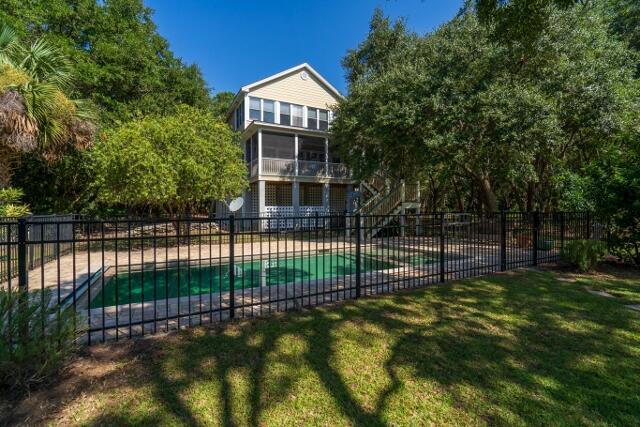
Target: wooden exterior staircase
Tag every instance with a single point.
(383, 197)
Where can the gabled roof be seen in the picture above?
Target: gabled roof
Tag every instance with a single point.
(248, 88)
(292, 70)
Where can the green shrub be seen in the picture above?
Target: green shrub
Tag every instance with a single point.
(11, 204)
(36, 338)
(584, 254)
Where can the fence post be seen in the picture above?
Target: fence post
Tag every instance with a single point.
(442, 250)
(358, 255)
(344, 223)
(23, 278)
(22, 255)
(232, 267)
(536, 226)
(588, 225)
(561, 232)
(503, 241)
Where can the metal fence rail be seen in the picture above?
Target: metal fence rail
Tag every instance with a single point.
(129, 277)
(43, 228)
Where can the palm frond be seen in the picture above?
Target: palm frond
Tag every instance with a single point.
(8, 44)
(35, 112)
(46, 63)
(42, 105)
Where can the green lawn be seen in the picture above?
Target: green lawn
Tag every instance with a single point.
(514, 349)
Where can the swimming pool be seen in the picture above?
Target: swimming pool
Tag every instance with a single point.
(149, 284)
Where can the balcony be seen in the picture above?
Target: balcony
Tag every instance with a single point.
(290, 167)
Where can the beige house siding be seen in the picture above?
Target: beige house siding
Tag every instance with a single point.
(292, 88)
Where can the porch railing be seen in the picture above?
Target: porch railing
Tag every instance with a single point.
(278, 167)
(291, 167)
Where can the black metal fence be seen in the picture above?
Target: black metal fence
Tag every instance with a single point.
(132, 277)
(43, 228)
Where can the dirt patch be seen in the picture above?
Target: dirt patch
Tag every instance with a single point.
(107, 366)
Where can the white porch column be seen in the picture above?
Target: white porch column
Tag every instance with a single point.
(260, 152)
(261, 198)
(326, 157)
(295, 149)
(295, 197)
(325, 197)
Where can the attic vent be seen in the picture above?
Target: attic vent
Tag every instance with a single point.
(304, 75)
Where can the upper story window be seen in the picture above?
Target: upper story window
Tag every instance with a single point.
(312, 118)
(296, 116)
(254, 109)
(262, 110)
(323, 120)
(289, 114)
(239, 116)
(285, 114)
(268, 111)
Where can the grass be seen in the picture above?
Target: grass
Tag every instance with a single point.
(512, 349)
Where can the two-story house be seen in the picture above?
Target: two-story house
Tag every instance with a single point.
(284, 121)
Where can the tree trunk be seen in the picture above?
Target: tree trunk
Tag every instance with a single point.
(459, 198)
(488, 197)
(530, 191)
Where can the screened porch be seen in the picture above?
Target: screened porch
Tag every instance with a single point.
(270, 153)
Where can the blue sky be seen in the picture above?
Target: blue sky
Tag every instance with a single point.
(237, 42)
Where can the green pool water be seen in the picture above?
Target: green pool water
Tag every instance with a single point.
(140, 286)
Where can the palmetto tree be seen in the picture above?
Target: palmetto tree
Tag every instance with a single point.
(35, 112)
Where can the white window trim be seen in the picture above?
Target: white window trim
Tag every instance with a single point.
(306, 122)
(247, 111)
(292, 106)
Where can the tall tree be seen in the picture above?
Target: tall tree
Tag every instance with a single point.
(123, 65)
(36, 113)
(518, 21)
(457, 99)
(220, 103)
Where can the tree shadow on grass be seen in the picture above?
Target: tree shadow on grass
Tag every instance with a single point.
(521, 348)
(559, 361)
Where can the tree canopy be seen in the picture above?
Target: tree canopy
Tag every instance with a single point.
(117, 61)
(459, 104)
(36, 112)
(518, 21)
(168, 163)
(122, 64)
